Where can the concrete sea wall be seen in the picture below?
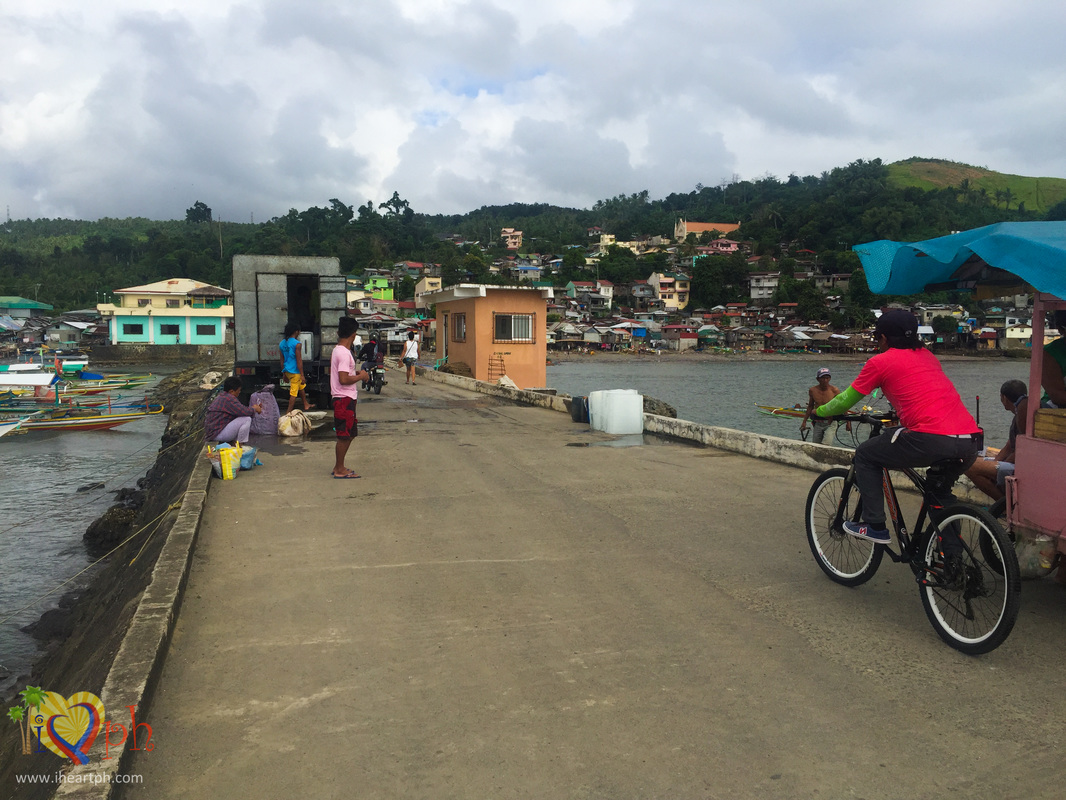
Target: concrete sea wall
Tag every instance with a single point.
(159, 353)
(805, 455)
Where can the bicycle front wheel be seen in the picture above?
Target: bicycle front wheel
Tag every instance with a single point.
(845, 559)
(972, 603)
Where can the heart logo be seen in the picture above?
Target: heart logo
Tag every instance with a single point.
(68, 726)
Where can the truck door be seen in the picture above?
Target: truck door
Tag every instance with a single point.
(272, 303)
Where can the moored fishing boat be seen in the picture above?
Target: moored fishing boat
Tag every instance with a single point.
(15, 423)
(85, 420)
(61, 414)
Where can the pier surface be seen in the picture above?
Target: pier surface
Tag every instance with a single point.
(508, 605)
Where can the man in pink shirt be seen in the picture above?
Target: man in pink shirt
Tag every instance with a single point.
(344, 387)
(935, 425)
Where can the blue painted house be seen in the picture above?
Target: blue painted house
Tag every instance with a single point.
(176, 311)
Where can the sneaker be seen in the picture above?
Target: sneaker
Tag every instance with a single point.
(861, 530)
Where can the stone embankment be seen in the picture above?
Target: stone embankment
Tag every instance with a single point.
(80, 639)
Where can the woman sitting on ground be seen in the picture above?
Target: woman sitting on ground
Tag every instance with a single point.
(227, 419)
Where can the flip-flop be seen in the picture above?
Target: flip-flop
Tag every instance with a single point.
(346, 477)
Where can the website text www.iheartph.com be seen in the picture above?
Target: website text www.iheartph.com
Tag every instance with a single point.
(59, 778)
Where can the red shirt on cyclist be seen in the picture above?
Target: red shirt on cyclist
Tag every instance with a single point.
(934, 423)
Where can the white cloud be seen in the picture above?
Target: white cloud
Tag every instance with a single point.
(129, 107)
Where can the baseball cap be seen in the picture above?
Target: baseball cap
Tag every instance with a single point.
(823, 371)
(897, 324)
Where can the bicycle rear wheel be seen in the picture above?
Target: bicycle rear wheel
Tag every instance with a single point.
(974, 606)
(845, 559)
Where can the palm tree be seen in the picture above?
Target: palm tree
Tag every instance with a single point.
(16, 714)
(32, 697)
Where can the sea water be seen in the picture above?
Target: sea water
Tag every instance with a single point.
(725, 393)
(43, 516)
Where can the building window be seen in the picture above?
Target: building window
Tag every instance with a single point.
(173, 303)
(458, 327)
(131, 329)
(205, 330)
(513, 328)
(143, 301)
(170, 330)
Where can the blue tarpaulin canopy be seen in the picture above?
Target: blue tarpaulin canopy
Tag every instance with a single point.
(1035, 252)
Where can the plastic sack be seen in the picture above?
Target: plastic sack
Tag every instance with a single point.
(267, 422)
(295, 423)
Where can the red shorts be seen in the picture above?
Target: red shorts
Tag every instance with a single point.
(344, 421)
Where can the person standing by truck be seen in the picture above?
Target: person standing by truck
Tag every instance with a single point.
(292, 366)
(344, 386)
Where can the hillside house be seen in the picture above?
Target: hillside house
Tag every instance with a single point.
(682, 228)
(672, 288)
(423, 287)
(762, 285)
(512, 239)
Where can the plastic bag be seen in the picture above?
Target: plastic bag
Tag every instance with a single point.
(248, 458)
(295, 423)
(266, 422)
(225, 460)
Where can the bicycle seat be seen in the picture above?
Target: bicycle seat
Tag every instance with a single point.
(945, 465)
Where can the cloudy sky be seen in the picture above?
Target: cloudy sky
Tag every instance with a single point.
(140, 108)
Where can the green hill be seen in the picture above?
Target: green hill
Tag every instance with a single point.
(1033, 194)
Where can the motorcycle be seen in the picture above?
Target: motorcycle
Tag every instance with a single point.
(376, 378)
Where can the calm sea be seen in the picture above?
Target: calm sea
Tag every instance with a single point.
(43, 516)
(725, 393)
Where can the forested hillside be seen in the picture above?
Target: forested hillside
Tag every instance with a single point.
(71, 263)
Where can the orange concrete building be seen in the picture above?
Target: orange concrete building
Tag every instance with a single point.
(496, 330)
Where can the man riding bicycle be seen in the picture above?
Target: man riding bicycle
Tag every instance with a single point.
(934, 424)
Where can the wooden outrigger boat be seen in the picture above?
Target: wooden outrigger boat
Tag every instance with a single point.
(793, 412)
(62, 415)
(13, 424)
(85, 421)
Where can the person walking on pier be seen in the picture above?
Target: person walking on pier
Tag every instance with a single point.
(410, 356)
(344, 386)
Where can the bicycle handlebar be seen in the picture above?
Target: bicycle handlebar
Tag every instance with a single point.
(878, 419)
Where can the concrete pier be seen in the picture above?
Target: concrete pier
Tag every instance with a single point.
(506, 604)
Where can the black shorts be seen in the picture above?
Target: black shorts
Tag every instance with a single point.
(344, 422)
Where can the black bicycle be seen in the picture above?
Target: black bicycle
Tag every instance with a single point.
(964, 563)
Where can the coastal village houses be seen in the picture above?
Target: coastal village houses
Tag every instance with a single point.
(175, 311)
(20, 307)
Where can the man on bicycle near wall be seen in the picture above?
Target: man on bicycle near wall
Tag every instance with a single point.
(934, 424)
